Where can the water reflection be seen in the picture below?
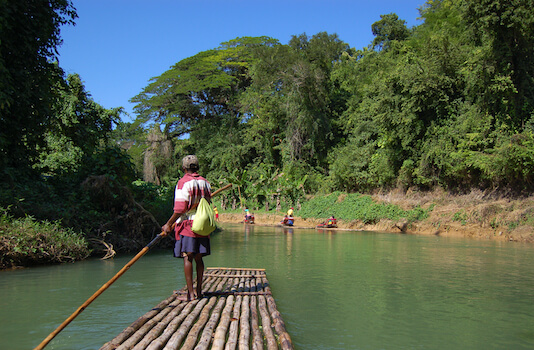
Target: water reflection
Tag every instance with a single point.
(249, 229)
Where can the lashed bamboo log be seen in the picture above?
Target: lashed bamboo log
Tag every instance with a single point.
(192, 337)
(257, 342)
(158, 329)
(137, 336)
(231, 342)
(234, 269)
(220, 333)
(160, 342)
(235, 285)
(236, 276)
(181, 333)
(208, 333)
(220, 285)
(241, 287)
(244, 329)
(266, 324)
(126, 333)
(279, 326)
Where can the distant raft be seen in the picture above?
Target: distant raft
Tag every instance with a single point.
(237, 311)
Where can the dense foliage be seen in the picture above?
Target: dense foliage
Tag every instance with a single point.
(358, 207)
(446, 103)
(29, 36)
(58, 158)
(27, 242)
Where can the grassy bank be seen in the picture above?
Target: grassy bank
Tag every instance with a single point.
(26, 242)
(475, 215)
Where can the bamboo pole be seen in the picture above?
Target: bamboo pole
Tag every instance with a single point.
(98, 292)
(109, 283)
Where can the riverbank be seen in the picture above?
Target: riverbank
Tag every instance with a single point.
(475, 215)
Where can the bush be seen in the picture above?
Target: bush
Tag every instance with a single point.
(158, 200)
(25, 242)
(357, 207)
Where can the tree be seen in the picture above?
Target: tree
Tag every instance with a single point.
(77, 127)
(388, 29)
(292, 101)
(201, 87)
(503, 30)
(29, 36)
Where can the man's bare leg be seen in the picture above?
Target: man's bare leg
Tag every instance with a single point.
(200, 274)
(188, 272)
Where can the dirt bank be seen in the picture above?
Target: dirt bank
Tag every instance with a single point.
(475, 215)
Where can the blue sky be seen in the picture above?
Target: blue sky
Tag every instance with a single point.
(116, 46)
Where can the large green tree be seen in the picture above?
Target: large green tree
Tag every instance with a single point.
(198, 98)
(293, 100)
(445, 103)
(504, 33)
(389, 28)
(201, 87)
(29, 37)
(79, 127)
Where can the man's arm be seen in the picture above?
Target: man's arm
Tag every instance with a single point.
(167, 228)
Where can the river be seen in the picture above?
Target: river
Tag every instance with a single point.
(335, 290)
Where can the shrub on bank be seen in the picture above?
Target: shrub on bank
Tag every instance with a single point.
(359, 207)
(25, 242)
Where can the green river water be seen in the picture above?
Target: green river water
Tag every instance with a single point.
(335, 290)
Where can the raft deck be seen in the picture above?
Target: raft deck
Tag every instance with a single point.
(237, 310)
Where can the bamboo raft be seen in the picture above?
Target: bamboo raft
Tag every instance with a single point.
(237, 310)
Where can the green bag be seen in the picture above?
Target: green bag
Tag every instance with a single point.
(204, 221)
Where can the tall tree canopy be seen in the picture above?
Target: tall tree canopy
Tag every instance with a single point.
(29, 36)
(202, 87)
(389, 28)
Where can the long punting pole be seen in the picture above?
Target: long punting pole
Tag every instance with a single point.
(109, 283)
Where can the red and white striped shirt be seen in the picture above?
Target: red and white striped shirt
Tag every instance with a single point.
(187, 194)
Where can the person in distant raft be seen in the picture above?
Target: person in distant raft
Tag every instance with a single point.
(290, 212)
(189, 246)
(247, 215)
(216, 211)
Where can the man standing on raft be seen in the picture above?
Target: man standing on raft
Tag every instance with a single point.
(189, 246)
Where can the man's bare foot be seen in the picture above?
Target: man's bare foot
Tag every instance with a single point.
(185, 297)
(198, 294)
